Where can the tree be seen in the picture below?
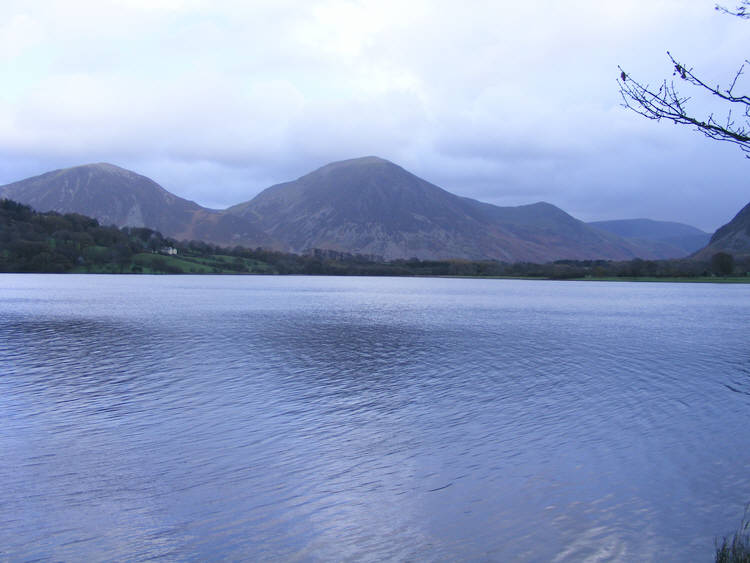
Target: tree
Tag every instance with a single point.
(722, 263)
(122, 255)
(668, 103)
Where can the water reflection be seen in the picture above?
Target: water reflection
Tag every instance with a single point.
(309, 418)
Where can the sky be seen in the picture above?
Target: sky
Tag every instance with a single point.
(506, 102)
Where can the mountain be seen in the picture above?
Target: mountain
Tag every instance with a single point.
(372, 206)
(664, 239)
(734, 237)
(365, 205)
(115, 196)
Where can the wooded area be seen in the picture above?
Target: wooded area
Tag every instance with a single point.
(71, 243)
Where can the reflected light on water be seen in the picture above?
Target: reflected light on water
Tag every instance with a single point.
(300, 418)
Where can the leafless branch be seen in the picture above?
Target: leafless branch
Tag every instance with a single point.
(725, 94)
(741, 11)
(667, 103)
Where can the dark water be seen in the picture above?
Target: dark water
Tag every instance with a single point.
(297, 418)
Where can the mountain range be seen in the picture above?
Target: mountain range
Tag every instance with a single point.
(665, 239)
(367, 206)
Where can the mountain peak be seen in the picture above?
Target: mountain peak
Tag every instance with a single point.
(101, 167)
(105, 166)
(362, 162)
(365, 205)
(117, 196)
(371, 159)
(109, 193)
(369, 205)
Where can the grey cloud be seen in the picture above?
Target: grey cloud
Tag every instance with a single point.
(508, 103)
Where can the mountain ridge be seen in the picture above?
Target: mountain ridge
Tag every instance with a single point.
(366, 205)
(733, 238)
(117, 196)
(373, 206)
(667, 239)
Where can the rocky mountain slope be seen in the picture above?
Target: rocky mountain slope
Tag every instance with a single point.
(734, 237)
(665, 239)
(115, 196)
(365, 205)
(372, 206)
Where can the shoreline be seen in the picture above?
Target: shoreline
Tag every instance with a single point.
(731, 280)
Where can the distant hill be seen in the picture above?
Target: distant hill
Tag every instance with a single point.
(372, 206)
(734, 237)
(664, 239)
(366, 206)
(115, 196)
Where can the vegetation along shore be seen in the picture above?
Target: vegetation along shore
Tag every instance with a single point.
(50, 242)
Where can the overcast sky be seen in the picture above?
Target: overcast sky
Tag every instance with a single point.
(509, 102)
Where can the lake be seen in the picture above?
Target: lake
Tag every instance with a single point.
(322, 418)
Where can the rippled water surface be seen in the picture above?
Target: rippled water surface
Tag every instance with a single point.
(304, 418)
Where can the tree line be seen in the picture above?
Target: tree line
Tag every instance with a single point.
(51, 242)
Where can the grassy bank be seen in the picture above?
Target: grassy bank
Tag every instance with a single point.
(699, 279)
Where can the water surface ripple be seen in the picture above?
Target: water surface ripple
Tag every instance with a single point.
(304, 418)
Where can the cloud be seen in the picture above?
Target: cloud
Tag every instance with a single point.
(507, 102)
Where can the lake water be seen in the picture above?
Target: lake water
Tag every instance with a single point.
(319, 418)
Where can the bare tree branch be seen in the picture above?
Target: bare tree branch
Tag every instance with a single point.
(741, 11)
(667, 103)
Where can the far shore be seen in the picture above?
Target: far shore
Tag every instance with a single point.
(642, 279)
(703, 279)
